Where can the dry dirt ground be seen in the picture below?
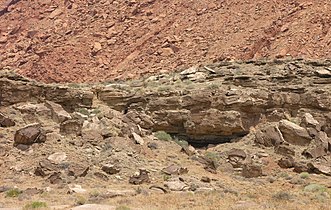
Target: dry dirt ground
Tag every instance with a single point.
(84, 41)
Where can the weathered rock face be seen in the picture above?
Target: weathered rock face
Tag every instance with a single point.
(232, 103)
(224, 110)
(30, 134)
(15, 89)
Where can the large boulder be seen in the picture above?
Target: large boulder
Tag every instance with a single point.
(318, 147)
(30, 134)
(268, 135)
(294, 134)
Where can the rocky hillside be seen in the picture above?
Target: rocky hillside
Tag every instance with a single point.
(231, 135)
(84, 41)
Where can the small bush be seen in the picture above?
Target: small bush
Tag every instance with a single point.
(35, 205)
(213, 86)
(182, 143)
(315, 188)
(83, 111)
(162, 135)
(166, 177)
(13, 193)
(80, 200)
(304, 175)
(282, 196)
(213, 156)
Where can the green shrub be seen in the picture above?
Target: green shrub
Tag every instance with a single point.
(315, 188)
(35, 205)
(83, 111)
(304, 175)
(182, 143)
(13, 193)
(80, 200)
(213, 156)
(162, 135)
(282, 196)
(166, 177)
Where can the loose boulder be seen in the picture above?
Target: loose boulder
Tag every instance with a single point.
(251, 171)
(294, 134)
(30, 134)
(6, 122)
(268, 135)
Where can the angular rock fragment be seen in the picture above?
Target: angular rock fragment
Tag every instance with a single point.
(309, 121)
(268, 135)
(176, 185)
(138, 138)
(57, 157)
(286, 162)
(300, 167)
(140, 178)
(319, 168)
(71, 127)
(236, 157)
(251, 171)
(175, 170)
(77, 170)
(30, 134)
(294, 134)
(285, 150)
(59, 115)
(6, 122)
(110, 169)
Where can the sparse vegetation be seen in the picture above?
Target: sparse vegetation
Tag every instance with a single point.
(213, 86)
(284, 175)
(166, 177)
(122, 208)
(282, 196)
(162, 135)
(83, 111)
(315, 188)
(74, 85)
(164, 88)
(304, 175)
(80, 200)
(13, 193)
(35, 205)
(213, 156)
(181, 143)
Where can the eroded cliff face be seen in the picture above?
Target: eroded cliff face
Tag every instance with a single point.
(255, 119)
(212, 103)
(223, 101)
